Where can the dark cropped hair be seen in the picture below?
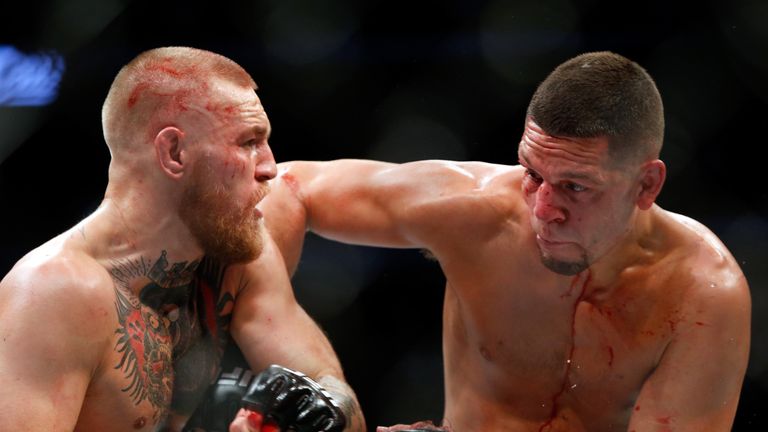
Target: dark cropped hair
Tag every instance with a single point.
(602, 94)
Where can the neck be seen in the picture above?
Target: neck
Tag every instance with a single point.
(140, 241)
(634, 248)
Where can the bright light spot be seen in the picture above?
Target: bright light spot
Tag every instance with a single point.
(29, 79)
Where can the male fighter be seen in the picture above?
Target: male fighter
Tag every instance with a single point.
(119, 323)
(573, 302)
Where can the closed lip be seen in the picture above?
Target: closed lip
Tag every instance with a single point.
(547, 242)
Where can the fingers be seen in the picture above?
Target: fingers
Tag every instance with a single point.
(246, 421)
(251, 421)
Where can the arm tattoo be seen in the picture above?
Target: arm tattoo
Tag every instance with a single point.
(346, 400)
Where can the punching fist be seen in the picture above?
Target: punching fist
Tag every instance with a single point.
(293, 402)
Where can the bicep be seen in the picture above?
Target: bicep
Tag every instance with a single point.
(382, 204)
(342, 200)
(270, 327)
(359, 201)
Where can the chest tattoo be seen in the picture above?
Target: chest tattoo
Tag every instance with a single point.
(171, 336)
(145, 354)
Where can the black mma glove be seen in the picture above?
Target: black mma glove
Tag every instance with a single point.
(221, 404)
(223, 399)
(293, 401)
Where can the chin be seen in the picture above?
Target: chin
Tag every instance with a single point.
(233, 242)
(565, 267)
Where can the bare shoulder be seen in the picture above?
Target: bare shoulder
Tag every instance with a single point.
(442, 180)
(474, 188)
(489, 172)
(57, 322)
(63, 285)
(480, 176)
(715, 282)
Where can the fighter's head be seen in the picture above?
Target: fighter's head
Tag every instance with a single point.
(189, 122)
(592, 138)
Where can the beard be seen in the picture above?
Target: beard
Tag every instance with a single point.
(225, 228)
(565, 268)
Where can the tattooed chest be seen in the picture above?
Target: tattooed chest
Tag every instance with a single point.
(145, 352)
(171, 336)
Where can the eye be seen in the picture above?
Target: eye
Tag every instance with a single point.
(534, 176)
(575, 187)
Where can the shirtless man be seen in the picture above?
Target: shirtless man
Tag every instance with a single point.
(119, 323)
(573, 302)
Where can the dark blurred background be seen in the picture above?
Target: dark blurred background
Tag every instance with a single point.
(398, 81)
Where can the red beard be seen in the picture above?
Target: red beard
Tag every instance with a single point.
(226, 229)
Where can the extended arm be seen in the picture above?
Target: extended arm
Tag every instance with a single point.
(412, 205)
(270, 327)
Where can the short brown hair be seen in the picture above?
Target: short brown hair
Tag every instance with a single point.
(602, 94)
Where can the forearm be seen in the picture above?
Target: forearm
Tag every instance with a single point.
(343, 394)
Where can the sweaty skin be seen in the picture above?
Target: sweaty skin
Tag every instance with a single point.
(119, 323)
(650, 334)
(114, 363)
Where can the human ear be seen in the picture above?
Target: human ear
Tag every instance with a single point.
(652, 176)
(169, 145)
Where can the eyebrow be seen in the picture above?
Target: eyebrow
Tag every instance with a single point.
(256, 131)
(521, 155)
(579, 176)
(571, 175)
(262, 130)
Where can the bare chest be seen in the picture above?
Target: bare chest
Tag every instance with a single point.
(166, 350)
(544, 352)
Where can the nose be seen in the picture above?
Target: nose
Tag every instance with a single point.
(545, 208)
(266, 168)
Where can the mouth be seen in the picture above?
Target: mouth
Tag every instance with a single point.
(550, 243)
(257, 199)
